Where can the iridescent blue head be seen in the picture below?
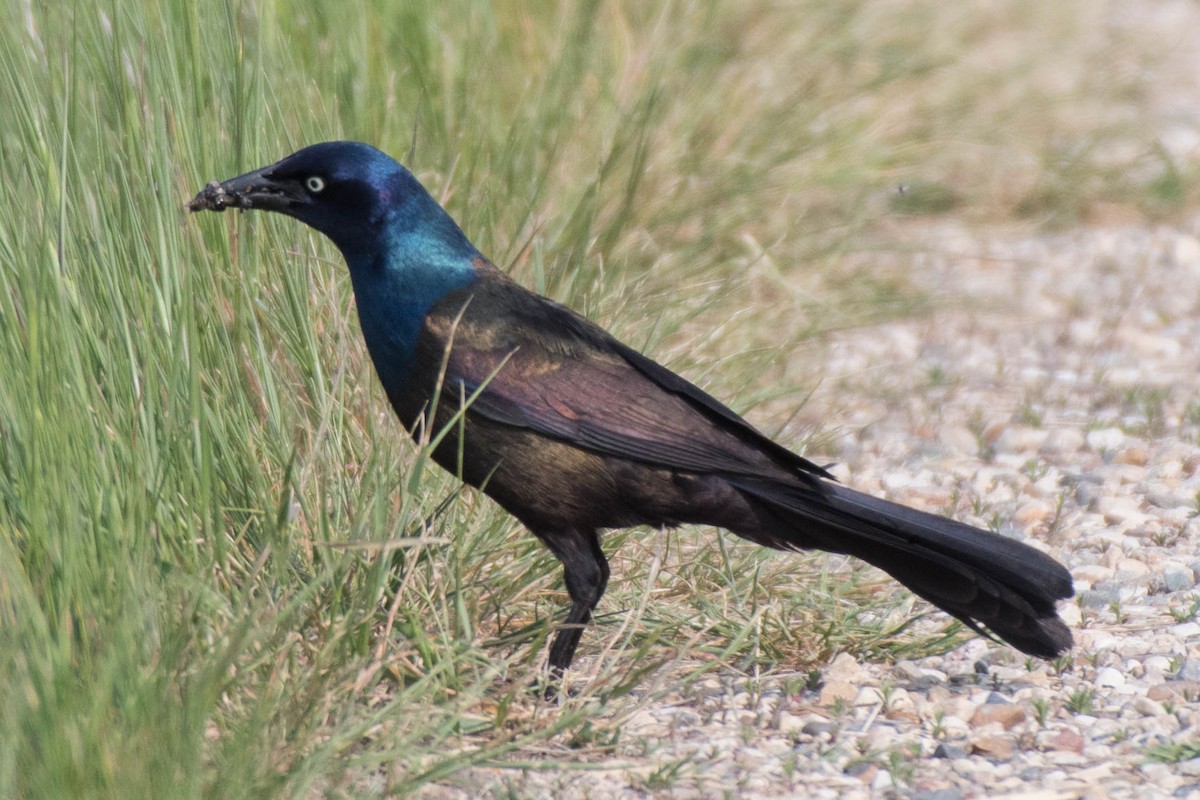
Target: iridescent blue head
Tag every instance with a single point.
(403, 249)
(356, 195)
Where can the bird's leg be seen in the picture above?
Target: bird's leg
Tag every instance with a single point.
(585, 571)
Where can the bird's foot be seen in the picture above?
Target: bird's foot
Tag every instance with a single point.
(549, 685)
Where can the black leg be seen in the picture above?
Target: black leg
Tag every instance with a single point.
(585, 571)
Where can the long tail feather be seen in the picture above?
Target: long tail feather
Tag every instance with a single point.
(994, 584)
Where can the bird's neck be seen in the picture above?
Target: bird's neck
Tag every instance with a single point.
(397, 281)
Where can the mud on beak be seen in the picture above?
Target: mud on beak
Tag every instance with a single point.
(260, 189)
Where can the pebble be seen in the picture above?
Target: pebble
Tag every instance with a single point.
(901, 705)
(1007, 715)
(919, 674)
(1062, 441)
(1177, 577)
(1121, 510)
(818, 727)
(1189, 670)
(1067, 740)
(1148, 707)
(997, 747)
(959, 438)
(951, 751)
(1137, 454)
(1019, 439)
(1105, 439)
(837, 692)
(844, 668)
(868, 696)
(1032, 512)
(1157, 664)
(1175, 691)
(1187, 630)
(1092, 574)
(937, 794)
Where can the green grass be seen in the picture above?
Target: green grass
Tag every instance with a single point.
(1172, 752)
(217, 573)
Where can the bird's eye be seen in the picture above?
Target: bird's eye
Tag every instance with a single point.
(314, 184)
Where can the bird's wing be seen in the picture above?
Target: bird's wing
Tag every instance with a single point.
(534, 364)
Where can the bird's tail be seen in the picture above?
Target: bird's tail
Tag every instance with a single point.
(994, 584)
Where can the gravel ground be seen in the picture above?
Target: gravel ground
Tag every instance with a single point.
(1065, 397)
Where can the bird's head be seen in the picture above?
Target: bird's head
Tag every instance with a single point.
(358, 196)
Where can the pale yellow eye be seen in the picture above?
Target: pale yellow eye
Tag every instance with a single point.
(314, 184)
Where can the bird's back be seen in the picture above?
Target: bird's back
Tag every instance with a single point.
(567, 425)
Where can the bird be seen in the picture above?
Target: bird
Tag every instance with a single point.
(574, 433)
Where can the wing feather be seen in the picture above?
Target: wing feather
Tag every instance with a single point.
(563, 376)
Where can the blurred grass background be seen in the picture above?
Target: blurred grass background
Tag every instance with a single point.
(215, 575)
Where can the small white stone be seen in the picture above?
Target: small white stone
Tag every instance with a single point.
(1105, 440)
(1160, 664)
(1084, 331)
(1164, 496)
(1186, 249)
(1020, 439)
(1177, 577)
(1184, 630)
(1109, 677)
(1092, 573)
(1149, 708)
(1131, 567)
(1071, 615)
(845, 668)
(1062, 441)
(959, 438)
(1093, 639)
(790, 723)
(1121, 510)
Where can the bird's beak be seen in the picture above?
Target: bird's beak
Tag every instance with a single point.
(260, 189)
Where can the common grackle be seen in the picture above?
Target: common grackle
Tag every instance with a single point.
(572, 431)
